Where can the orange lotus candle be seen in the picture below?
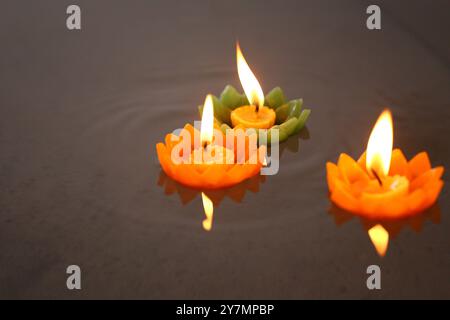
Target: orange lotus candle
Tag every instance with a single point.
(211, 164)
(382, 184)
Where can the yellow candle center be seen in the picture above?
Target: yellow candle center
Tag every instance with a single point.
(249, 117)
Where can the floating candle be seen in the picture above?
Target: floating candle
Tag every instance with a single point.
(210, 165)
(382, 183)
(255, 115)
(270, 116)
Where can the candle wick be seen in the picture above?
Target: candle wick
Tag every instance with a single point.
(378, 178)
(205, 144)
(257, 107)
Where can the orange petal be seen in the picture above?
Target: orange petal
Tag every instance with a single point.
(419, 164)
(351, 171)
(392, 210)
(163, 158)
(399, 164)
(187, 175)
(420, 181)
(371, 203)
(160, 149)
(342, 197)
(213, 176)
(383, 204)
(250, 171)
(416, 199)
(234, 175)
(253, 170)
(171, 140)
(333, 174)
(362, 161)
(373, 187)
(359, 186)
(192, 133)
(189, 128)
(432, 189)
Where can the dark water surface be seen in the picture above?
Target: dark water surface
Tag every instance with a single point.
(81, 112)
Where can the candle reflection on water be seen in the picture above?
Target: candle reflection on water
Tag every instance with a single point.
(380, 239)
(381, 232)
(210, 198)
(209, 211)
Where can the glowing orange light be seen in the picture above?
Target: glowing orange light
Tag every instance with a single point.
(248, 80)
(379, 147)
(380, 239)
(209, 210)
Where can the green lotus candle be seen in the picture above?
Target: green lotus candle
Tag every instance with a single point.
(254, 115)
(253, 110)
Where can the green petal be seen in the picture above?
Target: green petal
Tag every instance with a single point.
(269, 134)
(295, 108)
(244, 101)
(282, 134)
(230, 97)
(220, 111)
(302, 120)
(282, 113)
(274, 98)
(289, 126)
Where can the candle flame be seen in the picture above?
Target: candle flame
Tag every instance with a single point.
(207, 125)
(248, 80)
(379, 148)
(380, 239)
(209, 210)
